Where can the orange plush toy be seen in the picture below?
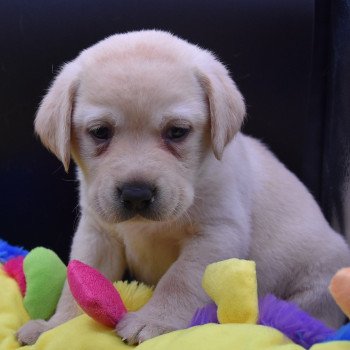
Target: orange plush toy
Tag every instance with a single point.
(340, 289)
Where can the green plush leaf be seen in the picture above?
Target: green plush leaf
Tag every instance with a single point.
(45, 276)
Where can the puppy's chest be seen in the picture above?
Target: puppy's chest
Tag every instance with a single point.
(148, 253)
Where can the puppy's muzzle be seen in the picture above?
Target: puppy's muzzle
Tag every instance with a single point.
(136, 197)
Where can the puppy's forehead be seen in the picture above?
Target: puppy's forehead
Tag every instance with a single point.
(136, 77)
(137, 87)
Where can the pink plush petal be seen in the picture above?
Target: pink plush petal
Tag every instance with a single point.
(95, 293)
(14, 268)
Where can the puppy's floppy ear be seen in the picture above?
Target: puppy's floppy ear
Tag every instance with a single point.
(53, 119)
(226, 104)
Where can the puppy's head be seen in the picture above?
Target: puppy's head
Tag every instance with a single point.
(139, 112)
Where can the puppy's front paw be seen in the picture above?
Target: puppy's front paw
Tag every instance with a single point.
(136, 327)
(30, 332)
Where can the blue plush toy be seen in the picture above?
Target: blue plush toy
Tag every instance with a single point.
(8, 251)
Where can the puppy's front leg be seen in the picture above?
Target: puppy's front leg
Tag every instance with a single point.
(179, 292)
(94, 247)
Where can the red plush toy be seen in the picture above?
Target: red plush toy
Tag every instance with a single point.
(95, 294)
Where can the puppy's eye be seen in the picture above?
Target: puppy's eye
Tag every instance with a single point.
(176, 133)
(101, 133)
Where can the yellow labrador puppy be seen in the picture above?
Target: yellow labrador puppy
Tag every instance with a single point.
(169, 185)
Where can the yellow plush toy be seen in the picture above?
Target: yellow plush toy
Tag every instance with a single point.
(231, 284)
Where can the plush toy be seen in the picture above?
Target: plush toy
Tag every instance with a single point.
(8, 251)
(41, 276)
(340, 290)
(14, 268)
(95, 294)
(231, 284)
(241, 293)
(100, 299)
(134, 294)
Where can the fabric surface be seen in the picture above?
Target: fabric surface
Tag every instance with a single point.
(133, 294)
(83, 333)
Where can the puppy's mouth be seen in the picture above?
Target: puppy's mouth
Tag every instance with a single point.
(140, 215)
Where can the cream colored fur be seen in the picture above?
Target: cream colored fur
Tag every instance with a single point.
(221, 194)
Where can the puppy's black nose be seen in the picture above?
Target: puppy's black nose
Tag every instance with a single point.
(136, 196)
